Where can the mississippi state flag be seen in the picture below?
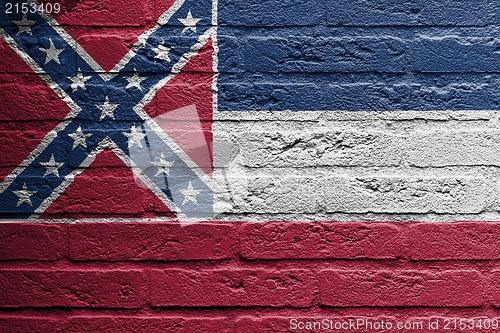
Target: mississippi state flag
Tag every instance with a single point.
(106, 109)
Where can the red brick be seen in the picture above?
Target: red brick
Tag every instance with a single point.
(30, 324)
(49, 288)
(495, 281)
(455, 241)
(90, 194)
(34, 241)
(266, 324)
(106, 48)
(148, 324)
(11, 62)
(108, 188)
(158, 241)
(320, 240)
(20, 104)
(17, 146)
(105, 13)
(232, 287)
(351, 288)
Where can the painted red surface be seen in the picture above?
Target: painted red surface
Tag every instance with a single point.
(105, 189)
(239, 277)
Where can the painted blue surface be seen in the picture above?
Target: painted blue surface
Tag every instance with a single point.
(359, 55)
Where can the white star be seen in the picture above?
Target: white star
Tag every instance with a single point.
(162, 52)
(79, 138)
(189, 22)
(79, 81)
(135, 81)
(52, 53)
(107, 109)
(52, 166)
(134, 137)
(24, 195)
(163, 166)
(24, 25)
(190, 194)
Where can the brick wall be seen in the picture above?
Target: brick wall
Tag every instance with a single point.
(241, 276)
(415, 154)
(371, 166)
(358, 55)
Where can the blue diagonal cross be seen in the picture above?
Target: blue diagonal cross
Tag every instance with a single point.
(107, 111)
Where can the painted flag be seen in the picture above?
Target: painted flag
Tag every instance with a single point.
(344, 139)
(107, 109)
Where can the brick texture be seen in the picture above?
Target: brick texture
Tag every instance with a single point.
(356, 151)
(232, 287)
(404, 288)
(325, 240)
(142, 241)
(13, 324)
(147, 324)
(47, 288)
(33, 241)
(421, 13)
(295, 268)
(457, 241)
